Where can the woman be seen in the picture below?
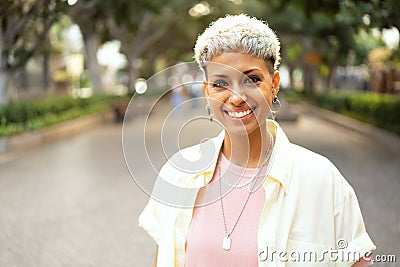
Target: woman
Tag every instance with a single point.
(263, 200)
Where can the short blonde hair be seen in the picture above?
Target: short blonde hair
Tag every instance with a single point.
(239, 33)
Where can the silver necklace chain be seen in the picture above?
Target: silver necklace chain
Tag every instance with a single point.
(227, 240)
(257, 172)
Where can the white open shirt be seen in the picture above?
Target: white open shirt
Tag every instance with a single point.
(310, 208)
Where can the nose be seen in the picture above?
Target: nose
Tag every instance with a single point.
(237, 98)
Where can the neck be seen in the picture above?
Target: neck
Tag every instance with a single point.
(247, 150)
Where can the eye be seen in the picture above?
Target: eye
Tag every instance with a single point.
(252, 79)
(220, 84)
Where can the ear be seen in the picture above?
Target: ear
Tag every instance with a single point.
(276, 79)
(205, 87)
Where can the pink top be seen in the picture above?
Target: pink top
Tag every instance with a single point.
(206, 231)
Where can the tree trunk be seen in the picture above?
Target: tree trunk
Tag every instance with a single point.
(23, 83)
(131, 69)
(133, 74)
(331, 77)
(5, 77)
(151, 64)
(308, 78)
(46, 73)
(291, 79)
(92, 43)
(308, 75)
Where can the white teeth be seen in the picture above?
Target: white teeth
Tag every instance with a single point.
(239, 114)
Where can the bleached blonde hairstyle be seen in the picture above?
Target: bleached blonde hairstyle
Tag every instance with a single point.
(239, 33)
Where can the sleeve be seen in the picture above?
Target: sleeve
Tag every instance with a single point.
(155, 215)
(352, 240)
(150, 219)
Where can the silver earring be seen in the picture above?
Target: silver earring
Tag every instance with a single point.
(276, 106)
(209, 111)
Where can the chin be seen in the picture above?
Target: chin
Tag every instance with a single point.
(241, 130)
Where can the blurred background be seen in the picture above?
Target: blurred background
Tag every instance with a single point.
(70, 66)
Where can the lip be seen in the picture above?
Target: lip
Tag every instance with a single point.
(237, 117)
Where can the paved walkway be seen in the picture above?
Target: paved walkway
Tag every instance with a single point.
(73, 202)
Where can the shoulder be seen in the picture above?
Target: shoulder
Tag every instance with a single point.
(317, 184)
(303, 154)
(308, 162)
(191, 161)
(317, 172)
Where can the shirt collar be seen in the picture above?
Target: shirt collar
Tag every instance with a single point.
(281, 157)
(282, 160)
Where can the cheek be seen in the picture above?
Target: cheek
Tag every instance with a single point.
(267, 95)
(268, 99)
(262, 98)
(217, 99)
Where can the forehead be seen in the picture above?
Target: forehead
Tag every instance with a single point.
(236, 63)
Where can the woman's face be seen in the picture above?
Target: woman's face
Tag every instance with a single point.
(240, 89)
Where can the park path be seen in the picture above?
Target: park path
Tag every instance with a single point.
(73, 202)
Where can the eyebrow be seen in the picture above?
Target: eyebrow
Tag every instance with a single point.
(219, 75)
(225, 76)
(248, 71)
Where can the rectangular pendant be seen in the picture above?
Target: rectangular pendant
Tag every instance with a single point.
(226, 243)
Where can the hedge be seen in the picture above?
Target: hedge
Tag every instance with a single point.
(32, 115)
(382, 110)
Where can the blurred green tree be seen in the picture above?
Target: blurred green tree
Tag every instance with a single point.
(137, 24)
(90, 16)
(366, 42)
(326, 29)
(23, 29)
(321, 34)
(189, 19)
(381, 14)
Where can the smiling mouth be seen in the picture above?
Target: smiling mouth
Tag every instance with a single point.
(241, 114)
